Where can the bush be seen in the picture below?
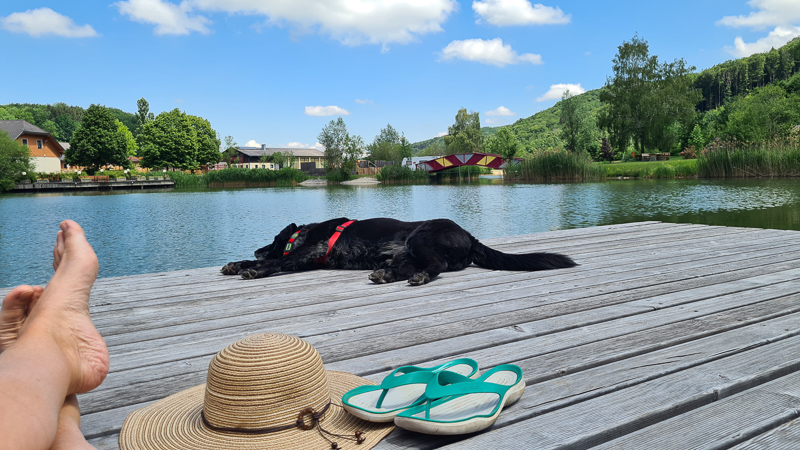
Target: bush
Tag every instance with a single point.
(689, 152)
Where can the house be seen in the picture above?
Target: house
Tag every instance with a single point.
(251, 158)
(47, 154)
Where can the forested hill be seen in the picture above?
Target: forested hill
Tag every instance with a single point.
(59, 119)
(724, 84)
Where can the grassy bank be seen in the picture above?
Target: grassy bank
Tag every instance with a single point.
(781, 159)
(685, 168)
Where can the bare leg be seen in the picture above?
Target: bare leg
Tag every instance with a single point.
(58, 351)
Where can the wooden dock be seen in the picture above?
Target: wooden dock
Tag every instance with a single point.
(667, 336)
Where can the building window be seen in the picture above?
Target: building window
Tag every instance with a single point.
(25, 142)
(38, 143)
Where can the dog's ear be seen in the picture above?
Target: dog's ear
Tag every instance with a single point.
(275, 249)
(287, 232)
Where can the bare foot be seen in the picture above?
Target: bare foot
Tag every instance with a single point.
(62, 311)
(13, 314)
(15, 309)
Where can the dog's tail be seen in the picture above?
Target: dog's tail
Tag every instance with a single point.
(492, 259)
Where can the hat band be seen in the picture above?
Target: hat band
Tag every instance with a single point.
(300, 423)
(316, 417)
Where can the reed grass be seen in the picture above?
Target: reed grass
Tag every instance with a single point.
(237, 177)
(779, 158)
(559, 165)
(401, 174)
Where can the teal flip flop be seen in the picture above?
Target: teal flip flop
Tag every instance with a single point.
(457, 405)
(400, 390)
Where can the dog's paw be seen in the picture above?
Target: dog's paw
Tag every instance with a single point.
(249, 274)
(419, 278)
(230, 269)
(378, 276)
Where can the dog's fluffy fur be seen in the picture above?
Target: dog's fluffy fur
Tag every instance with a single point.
(394, 250)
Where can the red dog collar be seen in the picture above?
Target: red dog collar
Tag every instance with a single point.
(334, 238)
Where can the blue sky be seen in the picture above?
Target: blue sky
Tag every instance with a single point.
(276, 72)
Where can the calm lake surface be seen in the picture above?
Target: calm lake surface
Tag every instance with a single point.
(144, 232)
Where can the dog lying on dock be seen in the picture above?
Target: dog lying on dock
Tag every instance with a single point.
(393, 249)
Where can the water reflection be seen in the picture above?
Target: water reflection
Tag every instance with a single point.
(145, 232)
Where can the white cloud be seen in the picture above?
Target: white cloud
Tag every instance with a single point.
(501, 111)
(252, 143)
(443, 133)
(557, 90)
(352, 22)
(168, 18)
(487, 52)
(770, 13)
(324, 111)
(364, 101)
(518, 12)
(784, 15)
(44, 21)
(776, 38)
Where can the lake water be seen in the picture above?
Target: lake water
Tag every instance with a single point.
(144, 232)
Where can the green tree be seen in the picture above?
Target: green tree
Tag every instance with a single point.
(67, 125)
(576, 130)
(645, 98)
(169, 140)
(464, 136)
(335, 138)
(143, 114)
(97, 142)
(766, 113)
(14, 160)
(231, 150)
(504, 143)
(389, 145)
(696, 138)
(207, 141)
(131, 142)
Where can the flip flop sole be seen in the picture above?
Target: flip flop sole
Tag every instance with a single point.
(463, 426)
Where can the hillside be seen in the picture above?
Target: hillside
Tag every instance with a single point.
(58, 119)
(726, 85)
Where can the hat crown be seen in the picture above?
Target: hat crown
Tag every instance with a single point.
(264, 381)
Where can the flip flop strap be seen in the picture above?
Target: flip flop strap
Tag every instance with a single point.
(420, 376)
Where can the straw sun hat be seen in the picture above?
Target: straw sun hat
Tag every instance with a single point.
(264, 391)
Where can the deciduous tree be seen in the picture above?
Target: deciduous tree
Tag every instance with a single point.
(14, 160)
(97, 142)
(132, 147)
(464, 136)
(504, 143)
(645, 98)
(207, 141)
(169, 141)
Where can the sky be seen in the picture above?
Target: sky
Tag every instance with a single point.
(275, 72)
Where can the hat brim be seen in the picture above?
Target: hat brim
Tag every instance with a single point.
(175, 423)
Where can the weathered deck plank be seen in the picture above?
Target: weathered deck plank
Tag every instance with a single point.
(662, 327)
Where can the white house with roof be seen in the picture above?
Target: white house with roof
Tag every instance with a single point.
(251, 158)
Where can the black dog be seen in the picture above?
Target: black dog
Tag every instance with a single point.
(395, 250)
